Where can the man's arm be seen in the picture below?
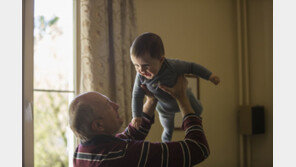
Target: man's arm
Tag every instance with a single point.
(147, 120)
(188, 152)
(151, 101)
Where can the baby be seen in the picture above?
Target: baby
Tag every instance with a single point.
(153, 70)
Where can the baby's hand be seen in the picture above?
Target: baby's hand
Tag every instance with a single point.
(136, 122)
(214, 79)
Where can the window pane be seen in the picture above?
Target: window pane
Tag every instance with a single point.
(50, 132)
(53, 70)
(53, 44)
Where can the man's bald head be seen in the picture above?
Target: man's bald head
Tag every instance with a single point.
(90, 113)
(82, 113)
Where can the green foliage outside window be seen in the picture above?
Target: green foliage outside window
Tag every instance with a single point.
(50, 112)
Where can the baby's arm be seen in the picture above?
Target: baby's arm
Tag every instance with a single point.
(136, 121)
(137, 102)
(184, 67)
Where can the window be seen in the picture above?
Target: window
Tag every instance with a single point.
(53, 82)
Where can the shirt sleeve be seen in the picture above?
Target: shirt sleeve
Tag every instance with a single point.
(186, 153)
(137, 134)
(137, 98)
(184, 67)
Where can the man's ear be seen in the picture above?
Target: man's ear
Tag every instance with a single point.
(97, 126)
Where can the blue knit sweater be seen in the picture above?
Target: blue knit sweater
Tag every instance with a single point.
(167, 75)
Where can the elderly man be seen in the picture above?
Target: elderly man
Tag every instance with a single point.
(94, 119)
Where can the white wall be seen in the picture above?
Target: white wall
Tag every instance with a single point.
(11, 82)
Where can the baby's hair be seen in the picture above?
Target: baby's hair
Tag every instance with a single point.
(147, 43)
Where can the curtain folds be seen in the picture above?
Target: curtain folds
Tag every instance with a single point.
(107, 31)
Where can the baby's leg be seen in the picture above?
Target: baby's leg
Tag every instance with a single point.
(196, 105)
(167, 122)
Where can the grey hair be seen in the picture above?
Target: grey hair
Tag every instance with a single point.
(81, 116)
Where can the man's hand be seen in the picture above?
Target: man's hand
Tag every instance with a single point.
(137, 122)
(178, 90)
(214, 79)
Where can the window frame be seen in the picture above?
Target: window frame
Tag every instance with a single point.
(28, 64)
(28, 78)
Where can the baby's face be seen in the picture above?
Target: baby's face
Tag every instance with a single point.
(146, 65)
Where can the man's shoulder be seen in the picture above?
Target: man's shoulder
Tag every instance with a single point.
(112, 151)
(114, 144)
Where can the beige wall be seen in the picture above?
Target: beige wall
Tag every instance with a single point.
(261, 77)
(205, 32)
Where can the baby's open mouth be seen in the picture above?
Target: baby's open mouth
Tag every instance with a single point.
(146, 74)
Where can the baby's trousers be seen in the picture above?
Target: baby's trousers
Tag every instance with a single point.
(167, 118)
